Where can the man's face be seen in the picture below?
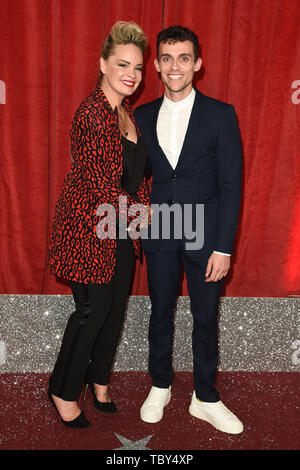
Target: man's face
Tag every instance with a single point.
(177, 65)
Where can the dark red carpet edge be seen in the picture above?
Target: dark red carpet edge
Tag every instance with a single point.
(267, 403)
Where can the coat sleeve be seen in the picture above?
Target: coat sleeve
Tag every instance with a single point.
(229, 165)
(143, 191)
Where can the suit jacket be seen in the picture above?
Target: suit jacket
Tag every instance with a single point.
(76, 253)
(208, 170)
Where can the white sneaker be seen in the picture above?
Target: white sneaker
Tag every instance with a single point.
(216, 414)
(152, 409)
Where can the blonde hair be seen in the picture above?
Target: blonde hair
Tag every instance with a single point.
(124, 32)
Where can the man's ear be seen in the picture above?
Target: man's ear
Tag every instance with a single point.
(197, 65)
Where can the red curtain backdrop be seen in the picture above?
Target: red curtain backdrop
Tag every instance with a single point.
(49, 61)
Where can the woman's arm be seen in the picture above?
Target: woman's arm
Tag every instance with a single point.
(88, 147)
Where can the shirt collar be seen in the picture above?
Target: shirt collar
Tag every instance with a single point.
(185, 103)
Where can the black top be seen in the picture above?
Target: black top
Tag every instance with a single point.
(134, 164)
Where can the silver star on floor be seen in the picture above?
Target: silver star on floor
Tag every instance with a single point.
(133, 445)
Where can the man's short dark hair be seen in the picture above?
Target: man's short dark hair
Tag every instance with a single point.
(175, 34)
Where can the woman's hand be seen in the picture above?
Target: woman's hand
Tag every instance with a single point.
(147, 219)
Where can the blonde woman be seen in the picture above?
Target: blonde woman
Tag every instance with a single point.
(108, 161)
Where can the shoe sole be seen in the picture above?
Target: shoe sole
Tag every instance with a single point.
(200, 415)
(156, 420)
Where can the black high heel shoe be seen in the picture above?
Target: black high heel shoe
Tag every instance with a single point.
(105, 407)
(79, 422)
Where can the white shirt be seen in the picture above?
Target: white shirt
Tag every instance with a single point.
(172, 123)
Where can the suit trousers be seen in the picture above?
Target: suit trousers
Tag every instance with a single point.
(93, 330)
(164, 277)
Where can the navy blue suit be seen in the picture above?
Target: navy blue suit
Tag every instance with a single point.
(208, 172)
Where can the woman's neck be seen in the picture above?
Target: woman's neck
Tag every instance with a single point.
(114, 99)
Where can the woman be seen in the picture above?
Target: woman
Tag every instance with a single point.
(108, 161)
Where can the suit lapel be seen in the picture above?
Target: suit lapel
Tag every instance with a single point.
(155, 137)
(192, 130)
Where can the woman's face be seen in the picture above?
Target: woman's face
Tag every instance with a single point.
(122, 71)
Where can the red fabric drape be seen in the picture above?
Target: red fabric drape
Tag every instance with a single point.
(49, 56)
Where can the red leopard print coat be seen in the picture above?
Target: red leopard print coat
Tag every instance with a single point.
(75, 252)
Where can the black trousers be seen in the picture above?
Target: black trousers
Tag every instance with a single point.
(164, 277)
(93, 330)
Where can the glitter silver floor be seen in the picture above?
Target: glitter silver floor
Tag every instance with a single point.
(255, 334)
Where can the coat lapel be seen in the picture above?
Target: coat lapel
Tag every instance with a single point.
(160, 151)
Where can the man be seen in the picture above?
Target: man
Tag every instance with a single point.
(195, 154)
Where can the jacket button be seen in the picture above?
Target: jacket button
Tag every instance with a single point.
(174, 176)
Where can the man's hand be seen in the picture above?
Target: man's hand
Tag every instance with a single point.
(217, 267)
